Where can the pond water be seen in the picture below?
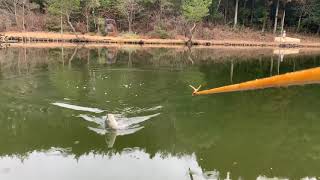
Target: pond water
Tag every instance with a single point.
(54, 102)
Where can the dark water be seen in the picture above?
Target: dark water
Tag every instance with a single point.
(254, 134)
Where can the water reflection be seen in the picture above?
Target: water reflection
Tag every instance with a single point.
(58, 163)
(128, 164)
(282, 52)
(271, 133)
(28, 60)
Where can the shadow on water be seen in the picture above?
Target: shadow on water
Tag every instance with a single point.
(251, 134)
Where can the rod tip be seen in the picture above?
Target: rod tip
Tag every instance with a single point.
(195, 90)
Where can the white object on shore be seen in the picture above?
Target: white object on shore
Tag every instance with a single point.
(287, 40)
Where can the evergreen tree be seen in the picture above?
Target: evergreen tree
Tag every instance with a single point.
(64, 8)
(194, 11)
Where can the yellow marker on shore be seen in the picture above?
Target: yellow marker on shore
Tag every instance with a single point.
(309, 76)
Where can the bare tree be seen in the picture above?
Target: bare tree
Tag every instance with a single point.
(10, 8)
(89, 8)
(304, 9)
(276, 18)
(236, 14)
(129, 8)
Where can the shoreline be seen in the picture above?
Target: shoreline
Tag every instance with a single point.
(226, 50)
(11, 38)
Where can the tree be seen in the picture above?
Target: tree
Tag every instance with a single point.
(129, 8)
(236, 14)
(303, 8)
(64, 8)
(276, 18)
(89, 6)
(264, 13)
(315, 13)
(284, 14)
(163, 6)
(10, 7)
(194, 11)
(42, 4)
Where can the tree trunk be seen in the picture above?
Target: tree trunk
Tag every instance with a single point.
(264, 24)
(87, 21)
(299, 23)
(15, 11)
(191, 31)
(161, 10)
(236, 14)
(61, 22)
(276, 18)
(244, 7)
(282, 21)
(226, 12)
(130, 17)
(252, 11)
(218, 6)
(129, 24)
(95, 23)
(70, 24)
(23, 16)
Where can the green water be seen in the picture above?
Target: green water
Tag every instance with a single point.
(271, 132)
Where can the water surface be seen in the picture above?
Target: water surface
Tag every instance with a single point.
(54, 102)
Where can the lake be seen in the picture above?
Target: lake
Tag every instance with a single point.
(54, 102)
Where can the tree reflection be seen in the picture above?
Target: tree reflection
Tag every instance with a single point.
(219, 130)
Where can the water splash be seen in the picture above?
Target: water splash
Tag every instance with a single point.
(141, 110)
(78, 108)
(128, 126)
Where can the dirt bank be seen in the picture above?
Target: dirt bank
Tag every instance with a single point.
(49, 37)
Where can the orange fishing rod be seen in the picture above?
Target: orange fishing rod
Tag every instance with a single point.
(309, 76)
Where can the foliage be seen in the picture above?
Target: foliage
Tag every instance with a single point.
(195, 10)
(129, 35)
(160, 32)
(129, 8)
(316, 11)
(148, 15)
(63, 6)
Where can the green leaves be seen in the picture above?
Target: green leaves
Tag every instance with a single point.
(195, 10)
(316, 11)
(63, 6)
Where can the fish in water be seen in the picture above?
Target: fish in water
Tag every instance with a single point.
(115, 122)
(111, 122)
(114, 125)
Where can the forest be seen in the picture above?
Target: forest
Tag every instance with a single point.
(161, 18)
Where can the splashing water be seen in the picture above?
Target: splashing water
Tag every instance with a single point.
(78, 108)
(127, 126)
